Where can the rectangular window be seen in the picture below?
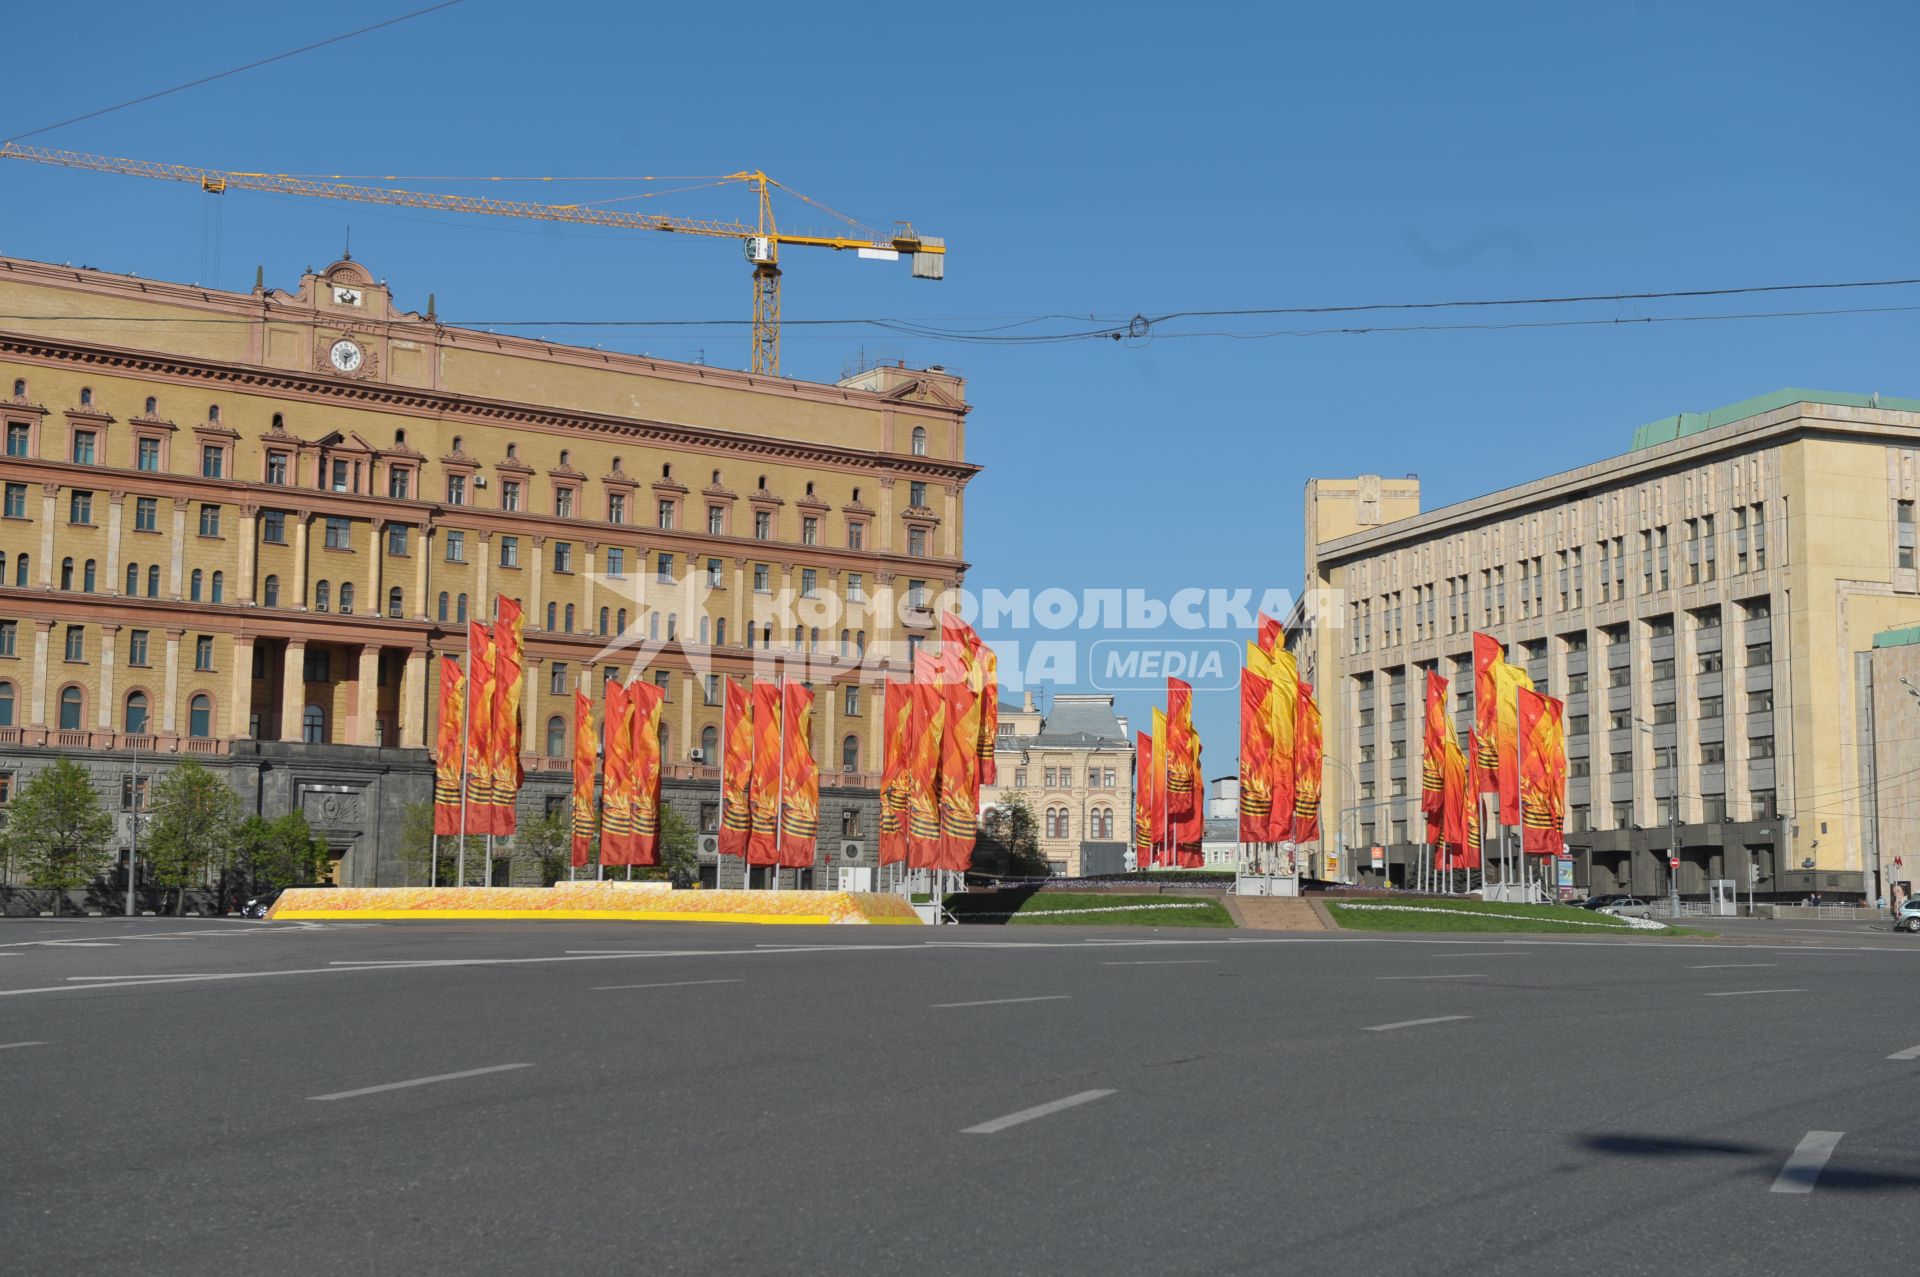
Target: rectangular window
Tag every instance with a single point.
(917, 495)
(1665, 712)
(396, 538)
(9, 637)
(16, 501)
(456, 547)
(83, 441)
(76, 643)
(146, 454)
(1903, 532)
(509, 494)
(663, 569)
(856, 588)
(213, 460)
(1576, 684)
(1623, 815)
(1713, 751)
(1759, 654)
(1760, 747)
(1663, 670)
(203, 652)
(856, 536)
(339, 481)
(1707, 663)
(664, 681)
(714, 574)
(616, 563)
(273, 527)
(810, 530)
(809, 583)
(710, 691)
(137, 647)
(556, 678)
(1576, 724)
(851, 702)
(317, 668)
(1710, 706)
(716, 520)
(209, 520)
(509, 552)
(456, 489)
(80, 507)
(19, 439)
(399, 482)
(762, 525)
(563, 556)
(1759, 535)
(666, 514)
(917, 542)
(761, 578)
(277, 468)
(616, 507)
(1760, 702)
(563, 502)
(339, 533)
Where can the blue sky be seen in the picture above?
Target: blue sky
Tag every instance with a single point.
(1084, 159)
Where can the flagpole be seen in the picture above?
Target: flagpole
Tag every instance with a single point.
(466, 751)
(780, 788)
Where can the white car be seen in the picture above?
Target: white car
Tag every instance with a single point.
(1627, 907)
(1908, 919)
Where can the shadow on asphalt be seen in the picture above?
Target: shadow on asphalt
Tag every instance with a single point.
(1835, 1176)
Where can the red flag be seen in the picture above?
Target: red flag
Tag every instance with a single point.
(1454, 800)
(585, 826)
(1306, 768)
(1543, 774)
(799, 782)
(896, 712)
(982, 673)
(959, 774)
(480, 694)
(616, 785)
(1271, 635)
(1142, 800)
(736, 768)
(645, 794)
(763, 846)
(1433, 750)
(1183, 782)
(508, 660)
(1256, 750)
(1488, 652)
(448, 753)
(926, 730)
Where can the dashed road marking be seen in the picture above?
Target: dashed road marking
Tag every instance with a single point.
(1911, 1053)
(665, 984)
(998, 1002)
(1743, 993)
(418, 1081)
(1410, 1024)
(999, 1124)
(1806, 1162)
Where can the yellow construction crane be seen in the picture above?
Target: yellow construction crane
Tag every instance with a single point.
(762, 240)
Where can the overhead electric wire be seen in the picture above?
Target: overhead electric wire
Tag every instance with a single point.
(232, 71)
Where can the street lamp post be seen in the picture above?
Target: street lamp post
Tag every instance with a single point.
(133, 850)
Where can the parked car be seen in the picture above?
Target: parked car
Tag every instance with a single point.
(257, 906)
(1908, 919)
(1601, 902)
(1627, 907)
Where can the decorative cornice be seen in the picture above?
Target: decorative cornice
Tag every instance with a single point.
(670, 485)
(857, 508)
(19, 405)
(719, 493)
(460, 460)
(568, 471)
(91, 416)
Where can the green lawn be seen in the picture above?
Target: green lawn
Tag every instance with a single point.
(1482, 915)
(1061, 909)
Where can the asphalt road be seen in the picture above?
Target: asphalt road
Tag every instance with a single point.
(442, 1097)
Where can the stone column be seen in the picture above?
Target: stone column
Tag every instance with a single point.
(116, 501)
(588, 622)
(38, 705)
(737, 607)
(179, 548)
(293, 689)
(413, 700)
(240, 701)
(169, 702)
(828, 751)
(109, 639)
(246, 586)
(367, 694)
(376, 551)
(884, 524)
(481, 575)
(538, 567)
(688, 685)
(420, 573)
(300, 518)
(950, 521)
(49, 493)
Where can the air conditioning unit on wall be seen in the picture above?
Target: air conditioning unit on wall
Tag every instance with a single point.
(709, 844)
(853, 852)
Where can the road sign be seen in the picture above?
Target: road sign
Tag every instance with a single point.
(1673, 862)
(1379, 857)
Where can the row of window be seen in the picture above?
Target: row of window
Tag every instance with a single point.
(1058, 823)
(135, 718)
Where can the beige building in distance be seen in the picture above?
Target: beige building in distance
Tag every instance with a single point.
(1700, 602)
(1074, 763)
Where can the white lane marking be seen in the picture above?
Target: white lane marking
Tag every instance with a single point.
(1911, 1053)
(1163, 962)
(1809, 1158)
(1728, 966)
(1506, 953)
(1742, 993)
(117, 938)
(165, 975)
(9, 1046)
(1000, 1002)
(79, 944)
(1448, 975)
(1410, 1024)
(999, 1124)
(419, 1081)
(667, 984)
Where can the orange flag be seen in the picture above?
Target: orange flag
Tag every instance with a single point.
(736, 768)
(799, 782)
(1433, 753)
(926, 729)
(1508, 682)
(447, 752)
(989, 665)
(959, 759)
(1271, 634)
(1142, 800)
(645, 800)
(584, 823)
(1306, 768)
(763, 799)
(1283, 712)
(982, 672)
(616, 787)
(480, 696)
(1454, 801)
(1162, 825)
(1488, 652)
(1543, 774)
(896, 715)
(508, 661)
(1256, 749)
(1182, 747)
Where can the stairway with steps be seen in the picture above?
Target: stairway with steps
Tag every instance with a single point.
(1274, 913)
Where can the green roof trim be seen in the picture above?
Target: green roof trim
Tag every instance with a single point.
(1905, 637)
(1678, 426)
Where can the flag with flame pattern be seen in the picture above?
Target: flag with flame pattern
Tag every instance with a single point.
(646, 699)
(1508, 682)
(1256, 749)
(1283, 716)
(509, 659)
(763, 797)
(480, 696)
(1306, 768)
(616, 785)
(1543, 774)
(1183, 783)
(799, 781)
(1142, 800)
(926, 733)
(1488, 652)
(896, 716)
(448, 749)
(1433, 753)
(585, 825)
(736, 767)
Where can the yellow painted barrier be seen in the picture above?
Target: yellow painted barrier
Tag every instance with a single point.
(593, 901)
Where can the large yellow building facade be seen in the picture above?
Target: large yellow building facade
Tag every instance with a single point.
(240, 525)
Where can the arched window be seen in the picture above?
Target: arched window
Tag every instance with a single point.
(153, 405)
(445, 598)
(850, 754)
(395, 603)
(322, 594)
(72, 709)
(766, 634)
(664, 752)
(460, 610)
(399, 436)
(809, 487)
(193, 586)
(133, 579)
(704, 627)
(346, 596)
(919, 441)
(513, 452)
(720, 631)
(219, 587)
(87, 580)
(653, 626)
(716, 473)
(86, 396)
(666, 471)
(134, 721)
(710, 743)
(556, 737)
(313, 726)
(19, 387)
(569, 621)
(860, 642)
(846, 644)
(213, 412)
(763, 483)
(856, 496)
(66, 576)
(270, 592)
(6, 704)
(279, 421)
(620, 619)
(153, 580)
(553, 617)
(799, 637)
(565, 456)
(673, 626)
(200, 716)
(457, 441)
(20, 572)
